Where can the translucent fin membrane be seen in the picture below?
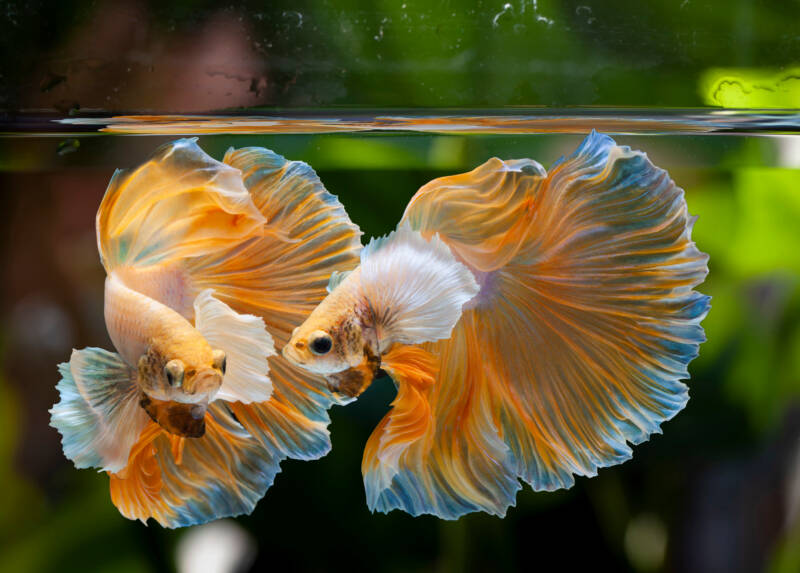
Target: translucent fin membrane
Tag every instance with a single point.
(178, 204)
(246, 344)
(481, 215)
(584, 327)
(415, 287)
(281, 276)
(414, 372)
(99, 417)
(183, 481)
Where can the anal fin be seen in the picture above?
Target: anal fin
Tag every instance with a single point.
(414, 371)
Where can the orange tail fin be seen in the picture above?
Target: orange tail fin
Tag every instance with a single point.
(577, 342)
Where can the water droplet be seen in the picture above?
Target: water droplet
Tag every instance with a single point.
(294, 14)
(506, 8)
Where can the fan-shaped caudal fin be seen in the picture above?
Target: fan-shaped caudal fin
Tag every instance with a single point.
(280, 277)
(575, 346)
(180, 203)
(185, 481)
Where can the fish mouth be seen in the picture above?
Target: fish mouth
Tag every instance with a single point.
(202, 388)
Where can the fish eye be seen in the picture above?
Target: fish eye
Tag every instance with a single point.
(173, 370)
(220, 360)
(321, 343)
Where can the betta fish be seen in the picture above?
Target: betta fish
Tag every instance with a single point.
(536, 325)
(209, 264)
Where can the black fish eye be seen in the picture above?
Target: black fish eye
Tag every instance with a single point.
(321, 344)
(224, 365)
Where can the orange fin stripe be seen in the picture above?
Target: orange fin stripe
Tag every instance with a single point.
(138, 486)
(413, 370)
(575, 347)
(281, 276)
(181, 481)
(484, 214)
(180, 203)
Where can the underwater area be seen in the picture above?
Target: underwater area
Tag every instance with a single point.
(381, 98)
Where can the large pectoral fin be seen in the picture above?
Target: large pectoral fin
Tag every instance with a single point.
(415, 287)
(247, 346)
(99, 416)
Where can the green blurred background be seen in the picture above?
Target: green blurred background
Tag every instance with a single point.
(719, 491)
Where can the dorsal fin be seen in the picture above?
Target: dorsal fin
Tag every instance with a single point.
(180, 203)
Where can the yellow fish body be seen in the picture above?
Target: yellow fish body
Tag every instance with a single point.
(535, 324)
(208, 264)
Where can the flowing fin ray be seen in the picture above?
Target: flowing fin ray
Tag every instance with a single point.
(281, 277)
(99, 417)
(247, 346)
(576, 345)
(414, 373)
(180, 203)
(184, 481)
(415, 287)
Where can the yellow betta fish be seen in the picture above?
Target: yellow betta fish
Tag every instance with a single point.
(208, 264)
(535, 324)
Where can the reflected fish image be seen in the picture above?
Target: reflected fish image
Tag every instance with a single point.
(209, 266)
(536, 325)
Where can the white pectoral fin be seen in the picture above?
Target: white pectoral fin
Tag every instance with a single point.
(416, 286)
(99, 416)
(247, 346)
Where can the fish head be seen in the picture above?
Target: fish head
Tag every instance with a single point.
(339, 340)
(319, 349)
(334, 338)
(342, 353)
(178, 384)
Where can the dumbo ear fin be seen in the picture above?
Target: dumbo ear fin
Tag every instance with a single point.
(99, 416)
(247, 346)
(415, 287)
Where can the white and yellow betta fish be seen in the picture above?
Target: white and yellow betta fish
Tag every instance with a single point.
(535, 324)
(209, 264)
